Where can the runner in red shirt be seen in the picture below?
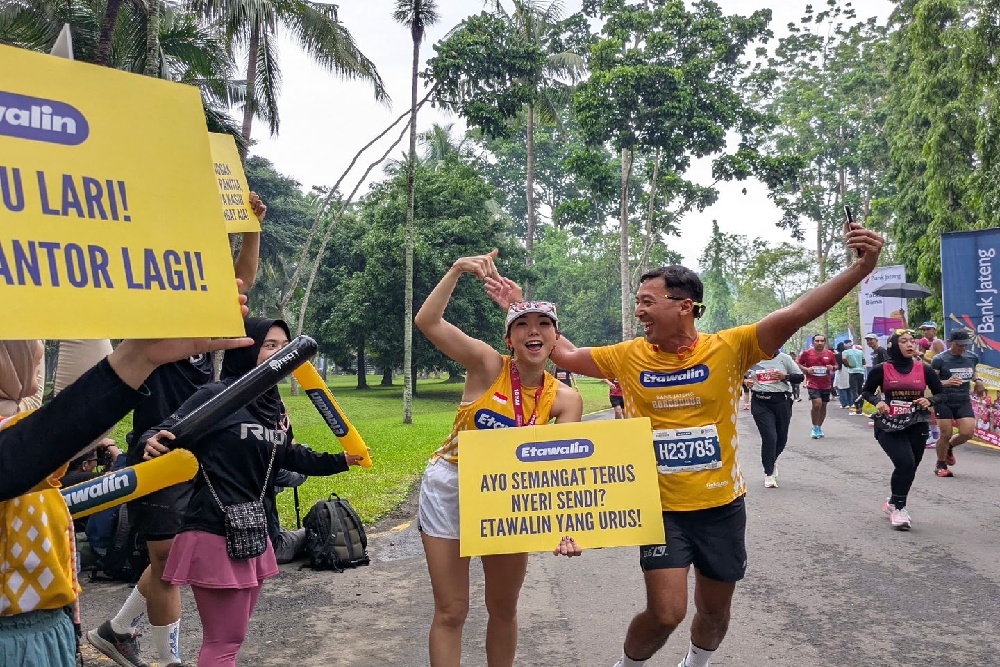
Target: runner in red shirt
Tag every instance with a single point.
(616, 398)
(818, 364)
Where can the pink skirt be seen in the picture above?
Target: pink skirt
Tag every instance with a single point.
(200, 559)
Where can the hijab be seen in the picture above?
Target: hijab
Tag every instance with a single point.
(236, 363)
(896, 357)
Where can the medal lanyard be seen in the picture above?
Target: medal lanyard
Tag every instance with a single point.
(515, 388)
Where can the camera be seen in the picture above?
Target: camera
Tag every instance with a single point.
(104, 457)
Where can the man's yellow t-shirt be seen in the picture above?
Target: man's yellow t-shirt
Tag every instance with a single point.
(692, 402)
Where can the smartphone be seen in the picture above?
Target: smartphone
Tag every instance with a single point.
(847, 225)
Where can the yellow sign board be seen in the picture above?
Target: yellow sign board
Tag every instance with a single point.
(523, 489)
(232, 181)
(109, 219)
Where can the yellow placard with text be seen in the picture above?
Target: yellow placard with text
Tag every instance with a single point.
(109, 217)
(523, 489)
(232, 181)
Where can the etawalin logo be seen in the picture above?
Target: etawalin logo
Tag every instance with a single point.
(38, 119)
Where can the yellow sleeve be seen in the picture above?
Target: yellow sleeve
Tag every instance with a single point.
(745, 344)
(610, 357)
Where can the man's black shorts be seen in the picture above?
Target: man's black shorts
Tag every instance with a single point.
(617, 402)
(160, 515)
(713, 540)
(822, 394)
(955, 407)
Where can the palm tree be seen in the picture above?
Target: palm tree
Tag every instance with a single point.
(190, 51)
(416, 15)
(153, 58)
(253, 25)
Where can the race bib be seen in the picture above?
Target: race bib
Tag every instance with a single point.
(897, 408)
(769, 376)
(964, 374)
(820, 370)
(687, 450)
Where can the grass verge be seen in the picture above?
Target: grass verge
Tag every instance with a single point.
(400, 451)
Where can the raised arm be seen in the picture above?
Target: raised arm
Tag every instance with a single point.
(472, 353)
(248, 260)
(779, 326)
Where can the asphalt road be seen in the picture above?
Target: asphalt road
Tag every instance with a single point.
(829, 583)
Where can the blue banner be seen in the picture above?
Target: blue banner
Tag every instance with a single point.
(970, 270)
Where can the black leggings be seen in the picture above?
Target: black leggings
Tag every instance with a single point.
(905, 449)
(772, 417)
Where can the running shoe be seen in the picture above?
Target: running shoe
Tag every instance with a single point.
(887, 508)
(942, 471)
(815, 433)
(819, 432)
(951, 458)
(746, 407)
(770, 482)
(931, 445)
(900, 519)
(123, 649)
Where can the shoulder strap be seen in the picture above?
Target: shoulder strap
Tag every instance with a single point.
(263, 491)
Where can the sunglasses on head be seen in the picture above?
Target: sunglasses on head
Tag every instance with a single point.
(900, 332)
(520, 306)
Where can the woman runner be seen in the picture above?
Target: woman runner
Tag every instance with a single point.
(510, 390)
(896, 389)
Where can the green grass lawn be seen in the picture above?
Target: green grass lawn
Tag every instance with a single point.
(400, 451)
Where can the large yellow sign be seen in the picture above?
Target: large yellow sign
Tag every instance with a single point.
(523, 489)
(232, 181)
(109, 216)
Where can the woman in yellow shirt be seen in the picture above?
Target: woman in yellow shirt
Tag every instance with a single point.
(500, 391)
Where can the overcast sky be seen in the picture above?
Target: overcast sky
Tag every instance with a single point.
(325, 120)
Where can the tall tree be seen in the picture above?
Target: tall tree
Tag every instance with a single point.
(826, 101)
(153, 57)
(667, 80)
(502, 71)
(934, 111)
(314, 27)
(416, 15)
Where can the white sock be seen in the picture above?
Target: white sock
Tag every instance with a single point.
(131, 613)
(697, 657)
(626, 661)
(167, 640)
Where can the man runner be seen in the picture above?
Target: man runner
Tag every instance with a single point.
(818, 364)
(682, 380)
(957, 368)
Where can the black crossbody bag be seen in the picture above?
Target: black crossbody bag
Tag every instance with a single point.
(246, 523)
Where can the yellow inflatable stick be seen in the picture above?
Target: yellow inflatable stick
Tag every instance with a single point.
(332, 414)
(125, 484)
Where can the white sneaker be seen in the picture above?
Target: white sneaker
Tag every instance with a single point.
(900, 519)
(770, 482)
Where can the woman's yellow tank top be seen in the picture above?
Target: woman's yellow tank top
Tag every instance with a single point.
(495, 409)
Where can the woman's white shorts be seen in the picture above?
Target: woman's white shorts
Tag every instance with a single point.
(438, 511)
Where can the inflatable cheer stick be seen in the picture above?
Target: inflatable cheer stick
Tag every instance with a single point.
(243, 391)
(126, 484)
(332, 413)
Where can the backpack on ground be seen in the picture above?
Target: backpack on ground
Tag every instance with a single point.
(126, 557)
(335, 536)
